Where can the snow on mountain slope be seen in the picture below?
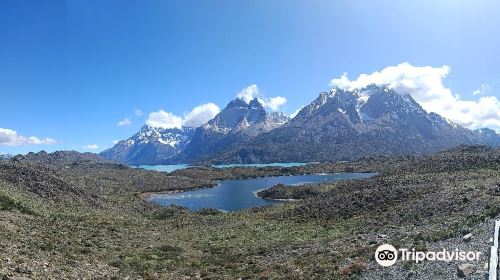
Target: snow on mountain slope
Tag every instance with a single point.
(151, 145)
(344, 125)
(236, 123)
(337, 125)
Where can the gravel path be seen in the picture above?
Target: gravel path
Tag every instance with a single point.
(432, 270)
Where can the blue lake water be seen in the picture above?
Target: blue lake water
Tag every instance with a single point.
(231, 195)
(276, 164)
(163, 168)
(173, 167)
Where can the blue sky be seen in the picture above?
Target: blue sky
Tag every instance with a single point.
(71, 70)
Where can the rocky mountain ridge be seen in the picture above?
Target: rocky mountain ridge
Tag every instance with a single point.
(237, 123)
(344, 125)
(151, 145)
(339, 125)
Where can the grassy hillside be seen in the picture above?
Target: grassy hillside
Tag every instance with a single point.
(69, 217)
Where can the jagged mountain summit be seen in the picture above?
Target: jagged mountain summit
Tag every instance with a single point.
(345, 125)
(339, 125)
(237, 123)
(151, 145)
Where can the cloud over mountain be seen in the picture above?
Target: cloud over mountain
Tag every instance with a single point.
(10, 137)
(252, 91)
(196, 117)
(201, 114)
(164, 120)
(425, 84)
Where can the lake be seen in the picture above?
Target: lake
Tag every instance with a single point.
(173, 167)
(163, 168)
(232, 195)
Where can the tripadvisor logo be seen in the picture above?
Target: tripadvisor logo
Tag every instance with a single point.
(386, 255)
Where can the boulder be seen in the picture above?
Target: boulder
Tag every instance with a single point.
(495, 190)
(467, 237)
(465, 270)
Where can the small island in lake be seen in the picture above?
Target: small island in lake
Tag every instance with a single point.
(283, 192)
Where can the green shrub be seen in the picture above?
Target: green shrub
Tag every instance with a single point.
(9, 204)
(161, 258)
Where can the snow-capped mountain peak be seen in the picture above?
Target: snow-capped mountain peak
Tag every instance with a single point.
(338, 125)
(167, 136)
(278, 118)
(151, 145)
(237, 114)
(236, 123)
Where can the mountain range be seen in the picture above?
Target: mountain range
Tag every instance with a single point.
(239, 122)
(151, 145)
(5, 156)
(339, 125)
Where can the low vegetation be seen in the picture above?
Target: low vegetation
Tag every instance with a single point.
(281, 191)
(64, 217)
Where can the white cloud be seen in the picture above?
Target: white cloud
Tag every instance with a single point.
(292, 115)
(249, 93)
(90, 147)
(195, 118)
(115, 142)
(125, 122)
(164, 120)
(425, 84)
(10, 137)
(138, 112)
(252, 91)
(201, 114)
(484, 88)
(275, 102)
